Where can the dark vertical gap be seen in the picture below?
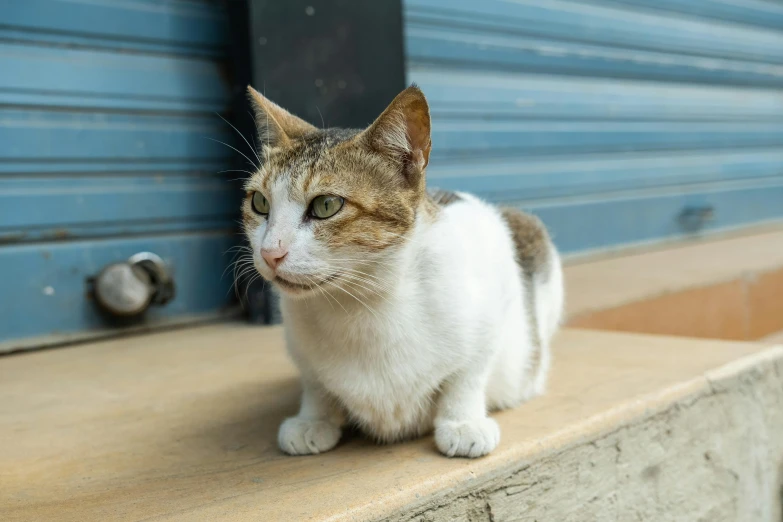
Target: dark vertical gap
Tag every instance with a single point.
(334, 63)
(258, 303)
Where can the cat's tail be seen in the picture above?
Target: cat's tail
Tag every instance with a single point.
(534, 248)
(539, 265)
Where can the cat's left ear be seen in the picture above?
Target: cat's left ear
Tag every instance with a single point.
(276, 126)
(402, 133)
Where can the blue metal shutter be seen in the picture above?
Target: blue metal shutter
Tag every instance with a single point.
(106, 110)
(615, 121)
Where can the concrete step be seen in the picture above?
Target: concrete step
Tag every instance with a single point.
(181, 426)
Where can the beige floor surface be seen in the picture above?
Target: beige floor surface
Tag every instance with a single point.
(182, 425)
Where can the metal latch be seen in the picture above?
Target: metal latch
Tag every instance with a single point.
(129, 288)
(693, 219)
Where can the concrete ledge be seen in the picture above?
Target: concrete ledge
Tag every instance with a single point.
(181, 426)
(722, 289)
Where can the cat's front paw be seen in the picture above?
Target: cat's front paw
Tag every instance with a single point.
(467, 438)
(299, 436)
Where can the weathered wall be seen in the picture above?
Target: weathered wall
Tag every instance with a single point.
(713, 457)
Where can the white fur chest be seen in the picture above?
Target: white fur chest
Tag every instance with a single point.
(386, 376)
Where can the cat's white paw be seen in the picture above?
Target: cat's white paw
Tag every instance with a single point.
(467, 438)
(307, 437)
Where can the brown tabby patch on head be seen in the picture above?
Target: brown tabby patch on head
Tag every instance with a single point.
(534, 257)
(379, 172)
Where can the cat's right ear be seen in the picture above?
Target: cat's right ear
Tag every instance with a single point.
(402, 133)
(276, 126)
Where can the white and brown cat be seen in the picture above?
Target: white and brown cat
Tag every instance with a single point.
(405, 311)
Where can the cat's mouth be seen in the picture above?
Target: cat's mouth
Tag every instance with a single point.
(302, 287)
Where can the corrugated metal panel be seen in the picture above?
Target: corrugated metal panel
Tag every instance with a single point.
(610, 119)
(107, 112)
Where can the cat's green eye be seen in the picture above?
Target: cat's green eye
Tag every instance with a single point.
(259, 203)
(324, 207)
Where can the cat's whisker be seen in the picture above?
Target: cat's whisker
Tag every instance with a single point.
(380, 285)
(235, 286)
(253, 279)
(243, 137)
(329, 298)
(240, 279)
(237, 248)
(244, 257)
(245, 271)
(355, 284)
(241, 266)
(376, 277)
(239, 263)
(235, 252)
(385, 285)
(358, 277)
(236, 170)
(236, 150)
(306, 299)
(235, 283)
(239, 256)
(252, 136)
(363, 260)
(381, 259)
(266, 129)
(352, 268)
(369, 308)
(366, 262)
(326, 295)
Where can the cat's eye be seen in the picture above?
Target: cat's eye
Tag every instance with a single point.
(324, 207)
(259, 203)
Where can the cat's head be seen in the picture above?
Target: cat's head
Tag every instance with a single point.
(327, 202)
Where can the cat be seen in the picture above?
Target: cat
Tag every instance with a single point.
(406, 311)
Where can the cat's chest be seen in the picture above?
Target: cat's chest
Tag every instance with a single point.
(370, 375)
(389, 401)
(365, 341)
(387, 384)
(385, 372)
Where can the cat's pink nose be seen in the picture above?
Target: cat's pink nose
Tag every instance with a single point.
(273, 257)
